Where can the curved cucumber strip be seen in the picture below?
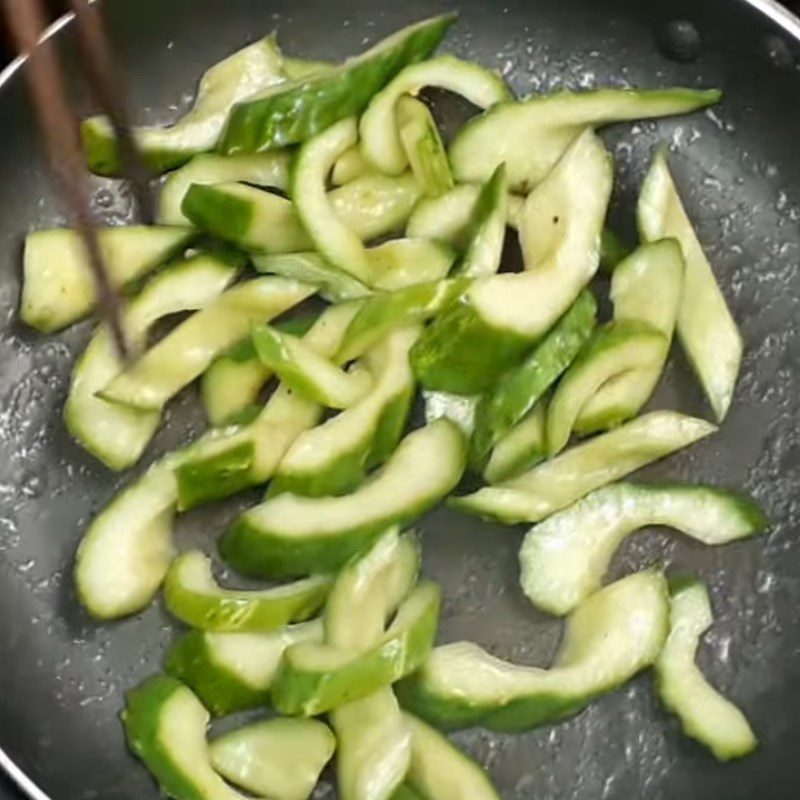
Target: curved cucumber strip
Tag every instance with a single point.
(303, 370)
(165, 726)
(440, 770)
(291, 535)
(406, 262)
(524, 446)
(487, 228)
(116, 434)
(184, 353)
(250, 70)
(520, 389)
(333, 458)
(563, 559)
(380, 141)
(315, 678)
(706, 327)
(612, 636)
(262, 169)
(645, 288)
(127, 549)
(58, 288)
(423, 146)
(233, 671)
(704, 713)
(499, 318)
(350, 165)
(194, 597)
(334, 285)
(384, 312)
(277, 758)
(303, 108)
(530, 135)
(558, 483)
(614, 349)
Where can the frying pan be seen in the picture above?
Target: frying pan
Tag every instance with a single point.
(62, 676)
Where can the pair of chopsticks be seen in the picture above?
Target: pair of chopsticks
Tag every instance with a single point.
(59, 126)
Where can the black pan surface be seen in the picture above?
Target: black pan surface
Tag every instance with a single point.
(62, 676)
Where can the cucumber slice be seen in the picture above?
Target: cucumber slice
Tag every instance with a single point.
(706, 327)
(303, 370)
(334, 457)
(233, 672)
(458, 408)
(615, 349)
(499, 318)
(645, 288)
(58, 288)
(116, 434)
(165, 725)
(184, 354)
(380, 139)
(277, 758)
(127, 549)
(612, 636)
(262, 169)
(705, 715)
(291, 535)
(563, 559)
(556, 484)
(300, 68)
(440, 770)
(303, 108)
(520, 389)
(250, 70)
(401, 308)
(531, 135)
(350, 165)
(333, 284)
(487, 228)
(193, 596)
(423, 146)
(406, 262)
(524, 446)
(315, 678)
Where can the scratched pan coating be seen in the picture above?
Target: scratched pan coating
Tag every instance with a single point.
(62, 677)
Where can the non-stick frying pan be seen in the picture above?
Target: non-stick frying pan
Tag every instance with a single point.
(62, 676)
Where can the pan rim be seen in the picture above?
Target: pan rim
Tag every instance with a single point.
(772, 9)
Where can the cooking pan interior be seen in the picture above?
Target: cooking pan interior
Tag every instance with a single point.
(62, 676)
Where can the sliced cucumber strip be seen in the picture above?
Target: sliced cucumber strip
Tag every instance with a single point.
(614, 349)
(117, 434)
(334, 284)
(127, 549)
(186, 352)
(315, 678)
(334, 457)
(303, 370)
(303, 108)
(558, 483)
(499, 318)
(530, 135)
(706, 327)
(193, 596)
(380, 140)
(404, 307)
(406, 262)
(300, 68)
(563, 559)
(612, 636)
(58, 288)
(704, 713)
(519, 390)
(292, 535)
(524, 446)
(165, 726)
(277, 758)
(457, 408)
(233, 671)
(262, 169)
(350, 165)
(423, 146)
(487, 228)
(440, 770)
(645, 288)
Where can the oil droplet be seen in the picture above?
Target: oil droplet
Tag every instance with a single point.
(679, 41)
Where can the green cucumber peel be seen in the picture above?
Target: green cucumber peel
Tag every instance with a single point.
(524, 446)
(423, 147)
